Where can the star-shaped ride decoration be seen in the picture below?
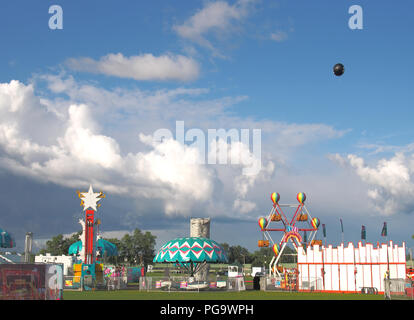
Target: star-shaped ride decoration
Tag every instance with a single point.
(90, 199)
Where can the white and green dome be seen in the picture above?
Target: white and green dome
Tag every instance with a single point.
(191, 249)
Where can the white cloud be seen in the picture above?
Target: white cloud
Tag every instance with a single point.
(80, 154)
(141, 67)
(82, 144)
(243, 206)
(279, 36)
(381, 148)
(215, 17)
(171, 164)
(254, 170)
(390, 181)
(117, 234)
(105, 137)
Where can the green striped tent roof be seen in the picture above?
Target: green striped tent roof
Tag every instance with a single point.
(192, 249)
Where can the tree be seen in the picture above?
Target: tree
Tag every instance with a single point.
(226, 248)
(236, 254)
(138, 248)
(239, 255)
(288, 255)
(59, 245)
(262, 257)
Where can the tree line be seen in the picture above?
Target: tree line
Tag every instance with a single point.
(138, 248)
(239, 255)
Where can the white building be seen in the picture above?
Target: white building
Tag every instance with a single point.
(67, 261)
(258, 270)
(349, 269)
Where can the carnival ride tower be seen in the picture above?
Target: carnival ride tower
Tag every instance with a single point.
(89, 201)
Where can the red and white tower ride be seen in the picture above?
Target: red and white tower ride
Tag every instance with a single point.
(89, 201)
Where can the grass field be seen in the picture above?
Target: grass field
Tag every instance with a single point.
(218, 295)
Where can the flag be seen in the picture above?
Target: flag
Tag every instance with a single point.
(363, 233)
(384, 230)
(324, 230)
(342, 226)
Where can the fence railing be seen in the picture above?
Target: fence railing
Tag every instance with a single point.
(89, 283)
(180, 283)
(313, 284)
(116, 283)
(397, 289)
(270, 283)
(173, 283)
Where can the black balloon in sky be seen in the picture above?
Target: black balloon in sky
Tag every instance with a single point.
(339, 69)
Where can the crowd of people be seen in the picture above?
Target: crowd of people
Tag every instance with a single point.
(117, 271)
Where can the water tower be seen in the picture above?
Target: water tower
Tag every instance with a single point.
(200, 227)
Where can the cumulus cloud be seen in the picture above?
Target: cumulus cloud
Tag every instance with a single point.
(141, 67)
(81, 142)
(87, 134)
(174, 166)
(80, 154)
(255, 169)
(243, 206)
(390, 181)
(244, 183)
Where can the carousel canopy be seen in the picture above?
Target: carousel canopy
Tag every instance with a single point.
(105, 247)
(6, 240)
(193, 249)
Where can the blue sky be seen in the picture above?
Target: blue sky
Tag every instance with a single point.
(344, 141)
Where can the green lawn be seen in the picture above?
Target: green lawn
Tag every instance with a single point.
(209, 295)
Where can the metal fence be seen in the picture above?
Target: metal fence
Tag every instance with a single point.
(398, 289)
(177, 283)
(401, 289)
(116, 283)
(236, 284)
(89, 283)
(313, 284)
(270, 283)
(173, 283)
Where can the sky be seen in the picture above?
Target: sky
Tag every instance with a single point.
(82, 104)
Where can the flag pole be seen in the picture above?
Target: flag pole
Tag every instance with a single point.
(388, 264)
(384, 232)
(323, 256)
(324, 232)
